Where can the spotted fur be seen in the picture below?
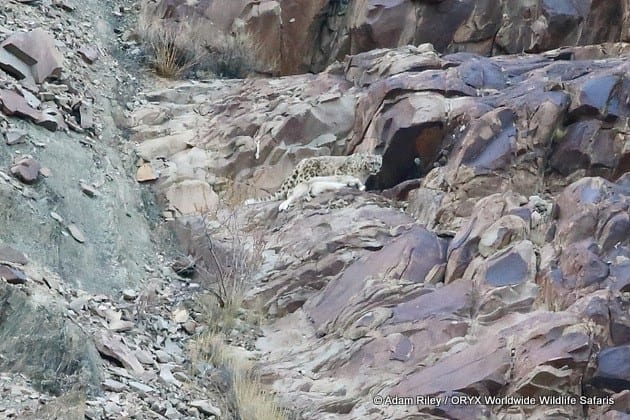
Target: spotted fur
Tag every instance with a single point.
(359, 165)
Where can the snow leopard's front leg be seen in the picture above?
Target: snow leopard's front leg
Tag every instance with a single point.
(300, 190)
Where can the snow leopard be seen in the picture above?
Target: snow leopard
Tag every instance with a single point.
(358, 165)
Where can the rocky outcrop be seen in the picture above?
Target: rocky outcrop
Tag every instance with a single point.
(300, 36)
(305, 116)
(489, 256)
(35, 83)
(504, 275)
(485, 27)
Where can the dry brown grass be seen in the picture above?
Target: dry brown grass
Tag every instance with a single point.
(178, 48)
(173, 47)
(170, 60)
(230, 260)
(70, 406)
(234, 56)
(248, 396)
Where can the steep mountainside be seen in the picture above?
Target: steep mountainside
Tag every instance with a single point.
(484, 272)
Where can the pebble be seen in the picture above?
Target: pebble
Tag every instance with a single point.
(114, 386)
(206, 407)
(88, 190)
(140, 387)
(180, 316)
(129, 294)
(167, 376)
(76, 233)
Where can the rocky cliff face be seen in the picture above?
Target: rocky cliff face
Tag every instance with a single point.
(308, 35)
(495, 260)
(490, 256)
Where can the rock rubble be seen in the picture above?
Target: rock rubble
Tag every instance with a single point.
(73, 344)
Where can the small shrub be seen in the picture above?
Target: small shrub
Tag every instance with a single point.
(176, 48)
(247, 397)
(173, 47)
(225, 269)
(225, 266)
(170, 59)
(233, 56)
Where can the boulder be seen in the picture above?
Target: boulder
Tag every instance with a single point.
(191, 197)
(36, 51)
(26, 170)
(613, 369)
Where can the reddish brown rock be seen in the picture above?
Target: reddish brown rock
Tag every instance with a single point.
(533, 279)
(26, 170)
(579, 216)
(410, 257)
(88, 54)
(380, 24)
(146, 173)
(52, 119)
(514, 266)
(480, 369)
(476, 236)
(12, 275)
(613, 369)
(588, 145)
(450, 300)
(598, 95)
(15, 67)
(13, 256)
(13, 103)
(582, 266)
(112, 345)
(37, 50)
(191, 197)
(305, 35)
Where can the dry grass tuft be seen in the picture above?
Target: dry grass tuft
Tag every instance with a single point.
(179, 48)
(234, 56)
(170, 60)
(226, 259)
(252, 400)
(70, 406)
(173, 47)
(248, 397)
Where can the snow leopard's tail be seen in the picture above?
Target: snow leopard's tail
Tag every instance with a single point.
(271, 197)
